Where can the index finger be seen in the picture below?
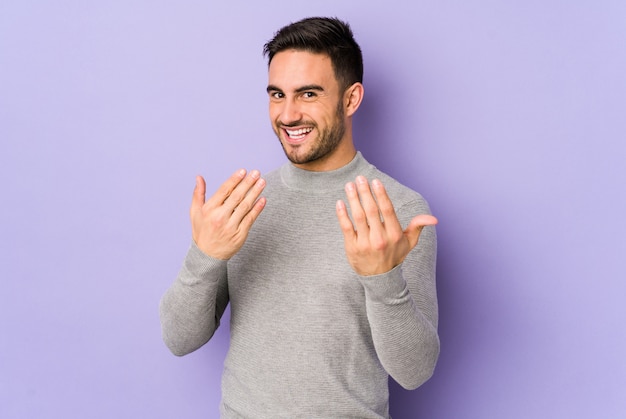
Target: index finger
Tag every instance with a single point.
(369, 204)
(227, 187)
(385, 205)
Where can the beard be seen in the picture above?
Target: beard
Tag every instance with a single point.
(326, 142)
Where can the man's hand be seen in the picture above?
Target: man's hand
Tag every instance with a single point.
(220, 225)
(375, 243)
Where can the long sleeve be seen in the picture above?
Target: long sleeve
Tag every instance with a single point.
(191, 308)
(402, 311)
(308, 336)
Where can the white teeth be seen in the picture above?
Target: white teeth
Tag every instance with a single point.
(298, 132)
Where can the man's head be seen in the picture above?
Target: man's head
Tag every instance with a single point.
(315, 72)
(321, 35)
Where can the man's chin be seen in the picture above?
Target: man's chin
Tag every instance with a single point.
(294, 153)
(298, 158)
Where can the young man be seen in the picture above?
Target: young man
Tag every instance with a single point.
(330, 291)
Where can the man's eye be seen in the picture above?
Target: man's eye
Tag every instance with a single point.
(276, 95)
(309, 95)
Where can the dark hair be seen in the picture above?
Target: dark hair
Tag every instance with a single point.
(322, 35)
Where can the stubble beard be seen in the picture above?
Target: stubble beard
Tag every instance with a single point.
(327, 141)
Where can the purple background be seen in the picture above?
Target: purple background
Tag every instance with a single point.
(509, 117)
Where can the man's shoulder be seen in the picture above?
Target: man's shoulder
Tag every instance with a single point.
(399, 193)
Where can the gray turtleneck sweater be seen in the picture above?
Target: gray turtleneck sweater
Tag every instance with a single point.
(309, 337)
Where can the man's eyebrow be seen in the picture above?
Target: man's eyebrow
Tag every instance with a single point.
(306, 88)
(309, 87)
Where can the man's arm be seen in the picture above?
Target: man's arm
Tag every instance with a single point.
(192, 307)
(398, 276)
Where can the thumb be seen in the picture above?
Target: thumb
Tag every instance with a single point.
(416, 225)
(199, 194)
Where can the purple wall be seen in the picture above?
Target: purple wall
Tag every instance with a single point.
(508, 117)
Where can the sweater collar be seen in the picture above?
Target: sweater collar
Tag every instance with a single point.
(296, 178)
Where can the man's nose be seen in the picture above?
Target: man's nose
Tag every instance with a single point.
(290, 113)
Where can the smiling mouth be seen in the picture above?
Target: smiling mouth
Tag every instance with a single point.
(297, 134)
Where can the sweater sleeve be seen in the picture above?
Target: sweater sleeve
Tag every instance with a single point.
(402, 311)
(191, 308)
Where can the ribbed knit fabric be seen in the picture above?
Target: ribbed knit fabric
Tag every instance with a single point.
(309, 337)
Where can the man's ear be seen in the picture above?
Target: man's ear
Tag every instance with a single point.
(353, 97)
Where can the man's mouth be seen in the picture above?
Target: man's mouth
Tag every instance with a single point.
(297, 134)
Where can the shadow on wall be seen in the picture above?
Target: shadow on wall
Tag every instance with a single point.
(426, 401)
(371, 128)
(478, 324)
(386, 128)
(471, 322)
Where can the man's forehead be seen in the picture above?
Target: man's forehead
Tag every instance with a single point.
(294, 68)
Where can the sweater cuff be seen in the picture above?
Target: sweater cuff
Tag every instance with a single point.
(200, 267)
(387, 288)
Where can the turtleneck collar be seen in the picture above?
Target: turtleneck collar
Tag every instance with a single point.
(296, 178)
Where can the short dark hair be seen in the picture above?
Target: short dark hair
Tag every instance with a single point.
(322, 35)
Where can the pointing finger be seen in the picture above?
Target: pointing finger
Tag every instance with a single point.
(248, 200)
(368, 202)
(239, 193)
(227, 187)
(344, 220)
(358, 215)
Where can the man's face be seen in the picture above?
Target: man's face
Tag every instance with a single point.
(306, 107)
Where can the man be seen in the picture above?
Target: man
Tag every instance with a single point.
(328, 297)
